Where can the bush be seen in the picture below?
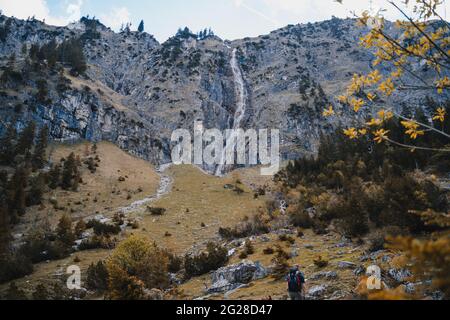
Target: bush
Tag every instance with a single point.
(103, 229)
(249, 249)
(215, 257)
(281, 265)
(286, 238)
(15, 294)
(97, 242)
(268, 251)
(97, 277)
(300, 218)
(156, 211)
(175, 262)
(80, 228)
(135, 265)
(320, 262)
(246, 228)
(351, 212)
(64, 231)
(14, 267)
(41, 293)
(42, 246)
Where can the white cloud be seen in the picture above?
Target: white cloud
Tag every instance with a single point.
(116, 18)
(39, 9)
(316, 10)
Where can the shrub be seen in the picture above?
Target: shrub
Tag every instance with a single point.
(320, 262)
(246, 228)
(80, 228)
(97, 242)
(14, 267)
(41, 293)
(300, 218)
(41, 246)
(175, 262)
(353, 219)
(215, 257)
(97, 277)
(281, 265)
(243, 255)
(14, 293)
(103, 229)
(286, 238)
(134, 265)
(64, 231)
(156, 211)
(249, 248)
(268, 251)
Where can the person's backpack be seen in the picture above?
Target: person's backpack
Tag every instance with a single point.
(294, 282)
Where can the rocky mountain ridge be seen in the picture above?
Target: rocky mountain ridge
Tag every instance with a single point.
(136, 91)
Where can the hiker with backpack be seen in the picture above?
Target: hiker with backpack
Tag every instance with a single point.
(296, 282)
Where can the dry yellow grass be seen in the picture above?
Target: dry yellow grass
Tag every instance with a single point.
(197, 198)
(204, 195)
(95, 195)
(324, 246)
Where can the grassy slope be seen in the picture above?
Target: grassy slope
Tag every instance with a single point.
(207, 202)
(95, 194)
(324, 246)
(197, 198)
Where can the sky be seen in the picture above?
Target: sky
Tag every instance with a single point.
(229, 19)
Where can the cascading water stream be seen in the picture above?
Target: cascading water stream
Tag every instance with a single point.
(241, 94)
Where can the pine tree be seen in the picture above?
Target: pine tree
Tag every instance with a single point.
(36, 192)
(4, 228)
(39, 157)
(76, 180)
(7, 146)
(141, 26)
(16, 194)
(69, 171)
(26, 139)
(64, 231)
(71, 52)
(42, 94)
(54, 176)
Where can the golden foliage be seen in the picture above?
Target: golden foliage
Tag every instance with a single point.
(430, 258)
(416, 41)
(134, 265)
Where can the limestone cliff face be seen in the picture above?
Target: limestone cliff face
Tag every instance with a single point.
(137, 91)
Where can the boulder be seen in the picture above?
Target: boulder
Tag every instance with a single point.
(328, 275)
(316, 292)
(232, 277)
(399, 275)
(346, 265)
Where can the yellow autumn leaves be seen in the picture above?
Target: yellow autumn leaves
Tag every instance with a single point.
(415, 40)
(440, 115)
(380, 135)
(442, 84)
(328, 112)
(412, 129)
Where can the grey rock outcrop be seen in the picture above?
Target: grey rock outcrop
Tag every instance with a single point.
(232, 277)
(316, 292)
(140, 91)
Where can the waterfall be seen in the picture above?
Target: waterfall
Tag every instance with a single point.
(241, 94)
